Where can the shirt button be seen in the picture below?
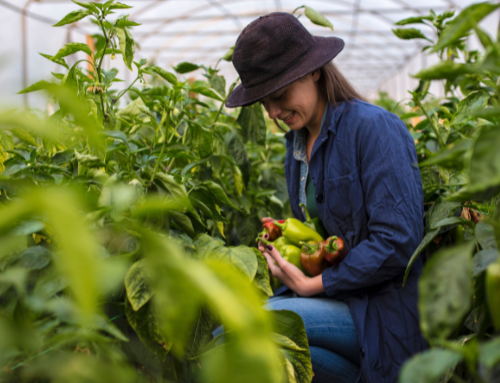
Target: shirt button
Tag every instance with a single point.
(298, 153)
(303, 178)
(362, 352)
(319, 198)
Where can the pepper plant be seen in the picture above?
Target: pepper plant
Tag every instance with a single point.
(125, 224)
(458, 141)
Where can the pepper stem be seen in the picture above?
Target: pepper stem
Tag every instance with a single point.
(309, 246)
(308, 216)
(332, 246)
(263, 241)
(280, 225)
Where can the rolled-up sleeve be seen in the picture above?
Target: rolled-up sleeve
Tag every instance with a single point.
(393, 205)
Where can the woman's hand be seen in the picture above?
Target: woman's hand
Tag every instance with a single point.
(289, 274)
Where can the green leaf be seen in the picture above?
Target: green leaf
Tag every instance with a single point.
(206, 92)
(119, 6)
(35, 257)
(228, 56)
(89, 6)
(485, 235)
(201, 333)
(483, 259)
(24, 136)
(27, 228)
(73, 17)
(415, 20)
(88, 160)
(448, 70)
(109, 76)
(290, 325)
(261, 279)
(489, 352)
(463, 23)
(451, 156)
(201, 138)
(176, 189)
(454, 221)
(40, 85)
(138, 285)
(57, 61)
(409, 34)
(445, 288)
(71, 48)
(146, 326)
(442, 209)
(317, 18)
(430, 366)
(186, 67)
(183, 221)
(474, 101)
(241, 257)
(169, 77)
(425, 242)
(251, 119)
(122, 23)
(219, 193)
(218, 83)
(127, 46)
(237, 151)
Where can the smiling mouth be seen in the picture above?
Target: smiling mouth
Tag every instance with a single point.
(289, 117)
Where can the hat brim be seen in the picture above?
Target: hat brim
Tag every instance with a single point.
(321, 53)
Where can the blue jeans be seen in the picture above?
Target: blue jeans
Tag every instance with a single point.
(330, 332)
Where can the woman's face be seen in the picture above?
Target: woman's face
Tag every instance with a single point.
(297, 104)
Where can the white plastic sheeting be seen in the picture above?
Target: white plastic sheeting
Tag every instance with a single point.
(200, 31)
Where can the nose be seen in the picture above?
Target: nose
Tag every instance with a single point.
(273, 110)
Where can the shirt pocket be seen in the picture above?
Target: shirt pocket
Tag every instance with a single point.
(345, 200)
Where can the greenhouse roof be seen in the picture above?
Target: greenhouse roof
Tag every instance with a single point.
(201, 31)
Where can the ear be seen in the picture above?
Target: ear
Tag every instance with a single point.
(316, 75)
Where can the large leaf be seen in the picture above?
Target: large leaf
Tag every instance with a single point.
(253, 124)
(483, 259)
(35, 257)
(145, 324)
(463, 23)
(489, 352)
(429, 366)
(201, 333)
(445, 288)
(218, 83)
(24, 136)
(186, 67)
(219, 193)
(445, 70)
(202, 138)
(170, 77)
(475, 100)
(485, 235)
(138, 285)
(57, 61)
(73, 17)
(71, 48)
(409, 34)
(237, 151)
(425, 242)
(290, 325)
(207, 92)
(261, 279)
(40, 85)
(127, 46)
(442, 209)
(241, 257)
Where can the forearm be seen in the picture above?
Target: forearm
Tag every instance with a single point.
(312, 286)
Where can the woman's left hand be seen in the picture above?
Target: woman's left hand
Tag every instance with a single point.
(290, 274)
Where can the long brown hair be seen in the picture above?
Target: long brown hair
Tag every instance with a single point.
(335, 87)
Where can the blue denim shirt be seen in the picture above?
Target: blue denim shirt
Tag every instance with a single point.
(300, 154)
(368, 192)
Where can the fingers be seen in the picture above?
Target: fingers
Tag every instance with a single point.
(276, 255)
(271, 263)
(267, 219)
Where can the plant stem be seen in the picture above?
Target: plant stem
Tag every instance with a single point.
(159, 160)
(432, 121)
(99, 74)
(122, 93)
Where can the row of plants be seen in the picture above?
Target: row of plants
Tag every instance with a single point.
(457, 139)
(128, 221)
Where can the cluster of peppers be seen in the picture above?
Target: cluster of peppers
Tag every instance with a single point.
(303, 244)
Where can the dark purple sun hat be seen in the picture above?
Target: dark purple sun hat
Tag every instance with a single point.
(274, 51)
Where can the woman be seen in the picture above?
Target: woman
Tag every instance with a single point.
(353, 165)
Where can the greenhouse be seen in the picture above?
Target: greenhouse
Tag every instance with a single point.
(215, 191)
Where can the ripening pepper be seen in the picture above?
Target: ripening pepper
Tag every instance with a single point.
(297, 232)
(312, 257)
(314, 223)
(334, 250)
(493, 293)
(280, 242)
(273, 230)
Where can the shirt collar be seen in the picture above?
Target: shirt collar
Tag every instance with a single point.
(300, 139)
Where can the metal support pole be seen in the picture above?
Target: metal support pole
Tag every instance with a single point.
(24, 34)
